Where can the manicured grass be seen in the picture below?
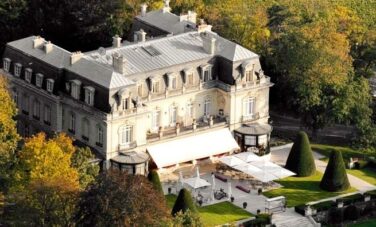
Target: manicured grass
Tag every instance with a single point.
(301, 190)
(217, 214)
(368, 223)
(366, 174)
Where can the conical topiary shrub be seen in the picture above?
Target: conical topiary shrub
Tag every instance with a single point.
(183, 202)
(300, 160)
(154, 179)
(335, 177)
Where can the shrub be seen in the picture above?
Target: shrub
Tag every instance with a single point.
(351, 199)
(184, 202)
(351, 213)
(335, 215)
(323, 206)
(154, 179)
(367, 210)
(300, 159)
(261, 220)
(335, 177)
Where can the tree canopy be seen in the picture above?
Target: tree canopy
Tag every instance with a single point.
(82, 161)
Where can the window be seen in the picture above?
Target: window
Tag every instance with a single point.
(190, 110)
(36, 110)
(17, 69)
(85, 129)
(25, 104)
(50, 85)
(99, 136)
(173, 82)
(156, 86)
(249, 106)
(47, 115)
(190, 79)
(139, 90)
(173, 115)
(89, 95)
(28, 74)
(6, 64)
(207, 107)
(126, 135)
(250, 140)
(263, 140)
(207, 75)
(39, 80)
(155, 122)
(75, 89)
(249, 76)
(72, 124)
(125, 103)
(15, 97)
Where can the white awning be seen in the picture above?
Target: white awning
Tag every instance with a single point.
(192, 148)
(196, 182)
(256, 172)
(231, 160)
(248, 156)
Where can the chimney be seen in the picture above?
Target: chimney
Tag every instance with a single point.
(75, 57)
(192, 16)
(139, 36)
(118, 62)
(208, 43)
(116, 41)
(166, 8)
(37, 42)
(48, 46)
(143, 9)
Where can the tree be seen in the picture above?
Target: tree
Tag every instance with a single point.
(335, 176)
(184, 202)
(154, 179)
(81, 161)
(187, 219)
(300, 159)
(48, 162)
(117, 198)
(8, 135)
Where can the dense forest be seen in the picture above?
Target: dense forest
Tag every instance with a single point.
(319, 53)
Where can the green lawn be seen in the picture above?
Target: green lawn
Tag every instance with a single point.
(301, 190)
(366, 174)
(217, 214)
(368, 223)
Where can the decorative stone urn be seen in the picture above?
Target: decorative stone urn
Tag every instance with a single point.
(177, 128)
(211, 121)
(160, 131)
(194, 124)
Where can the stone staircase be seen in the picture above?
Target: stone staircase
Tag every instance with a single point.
(290, 218)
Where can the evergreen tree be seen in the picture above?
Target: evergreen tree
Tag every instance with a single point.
(154, 179)
(300, 160)
(335, 177)
(184, 202)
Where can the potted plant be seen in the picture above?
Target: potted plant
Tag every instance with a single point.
(232, 199)
(211, 121)
(259, 191)
(194, 124)
(160, 131)
(245, 205)
(177, 129)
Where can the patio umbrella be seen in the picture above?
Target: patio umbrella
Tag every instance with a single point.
(248, 156)
(197, 172)
(231, 161)
(181, 179)
(213, 182)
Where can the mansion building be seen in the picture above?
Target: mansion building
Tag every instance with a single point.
(172, 80)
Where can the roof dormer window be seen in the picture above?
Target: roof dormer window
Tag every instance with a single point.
(172, 81)
(28, 75)
(17, 69)
(6, 64)
(89, 95)
(75, 88)
(50, 85)
(156, 86)
(39, 80)
(206, 73)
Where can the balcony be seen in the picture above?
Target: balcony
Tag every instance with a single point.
(201, 125)
(251, 117)
(125, 147)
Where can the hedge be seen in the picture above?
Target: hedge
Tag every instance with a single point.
(154, 179)
(323, 206)
(351, 199)
(300, 159)
(261, 220)
(184, 202)
(335, 176)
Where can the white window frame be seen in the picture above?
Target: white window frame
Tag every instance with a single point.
(6, 64)
(36, 109)
(249, 106)
(172, 81)
(72, 122)
(263, 140)
(25, 103)
(28, 75)
(156, 120)
(89, 95)
(15, 97)
(250, 140)
(50, 85)
(156, 86)
(126, 134)
(125, 103)
(206, 73)
(75, 89)
(173, 115)
(17, 69)
(190, 78)
(190, 110)
(85, 128)
(100, 135)
(207, 106)
(47, 114)
(249, 77)
(140, 90)
(39, 80)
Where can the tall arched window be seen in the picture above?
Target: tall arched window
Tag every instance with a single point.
(36, 110)
(99, 136)
(72, 123)
(207, 107)
(85, 129)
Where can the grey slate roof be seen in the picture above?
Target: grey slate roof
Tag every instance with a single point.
(131, 157)
(166, 21)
